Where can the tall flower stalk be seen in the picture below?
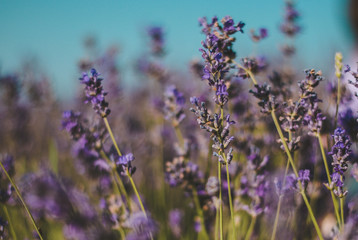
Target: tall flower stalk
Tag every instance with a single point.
(96, 96)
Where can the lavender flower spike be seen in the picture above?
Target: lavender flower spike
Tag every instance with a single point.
(95, 93)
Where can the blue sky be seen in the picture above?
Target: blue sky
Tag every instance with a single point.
(53, 31)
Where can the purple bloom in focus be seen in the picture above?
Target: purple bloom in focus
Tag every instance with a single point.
(340, 152)
(94, 93)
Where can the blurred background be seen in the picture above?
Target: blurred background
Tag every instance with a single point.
(52, 33)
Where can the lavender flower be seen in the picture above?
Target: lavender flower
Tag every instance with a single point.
(184, 174)
(289, 27)
(124, 164)
(214, 125)
(174, 104)
(253, 185)
(95, 93)
(292, 181)
(254, 65)
(157, 40)
(71, 123)
(340, 153)
(313, 117)
(267, 100)
(142, 227)
(261, 35)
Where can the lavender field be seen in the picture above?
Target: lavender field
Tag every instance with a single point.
(230, 146)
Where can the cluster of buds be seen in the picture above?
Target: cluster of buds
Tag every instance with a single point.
(223, 33)
(289, 27)
(340, 153)
(95, 93)
(174, 104)
(267, 100)
(254, 184)
(309, 100)
(215, 125)
(253, 65)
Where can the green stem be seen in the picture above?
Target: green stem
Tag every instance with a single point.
(136, 193)
(335, 203)
(251, 228)
(229, 195)
(296, 174)
(22, 200)
(220, 203)
(179, 136)
(216, 223)
(342, 211)
(11, 225)
(200, 213)
(111, 135)
(273, 236)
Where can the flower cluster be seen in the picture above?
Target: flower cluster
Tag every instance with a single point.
(124, 164)
(340, 153)
(292, 181)
(95, 93)
(313, 117)
(217, 53)
(89, 141)
(143, 227)
(289, 27)
(157, 40)
(253, 185)
(174, 104)
(257, 37)
(267, 100)
(254, 65)
(184, 174)
(215, 125)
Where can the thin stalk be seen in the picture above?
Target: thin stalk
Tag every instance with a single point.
(335, 203)
(179, 136)
(273, 236)
(200, 213)
(296, 174)
(251, 228)
(111, 135)
(216, 224)
(229, 195)
(22, 201)
(136, 193)
(342, 211)
(11, 225)
(227, 177)
(220, 203)
(122, 233)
